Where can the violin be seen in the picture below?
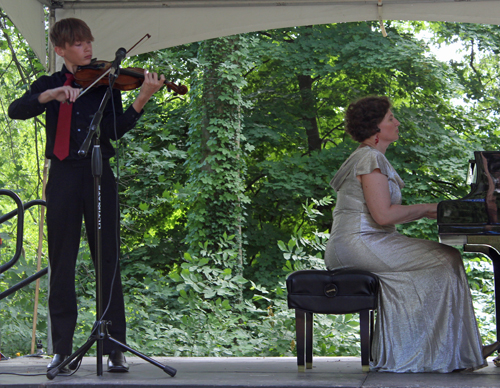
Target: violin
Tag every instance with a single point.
(131, 78)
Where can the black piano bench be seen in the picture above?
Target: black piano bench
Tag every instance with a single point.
(331, 292)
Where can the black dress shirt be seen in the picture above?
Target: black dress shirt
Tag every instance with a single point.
(83, 111)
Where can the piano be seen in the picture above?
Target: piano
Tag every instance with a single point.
(474, 220)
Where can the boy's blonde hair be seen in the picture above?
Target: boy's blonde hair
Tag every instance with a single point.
(69, 31)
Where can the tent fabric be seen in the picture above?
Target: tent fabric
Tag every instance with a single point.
(28, 17)
(121, 23)
(116, 27)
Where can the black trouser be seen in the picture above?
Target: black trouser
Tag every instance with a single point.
(70, 194)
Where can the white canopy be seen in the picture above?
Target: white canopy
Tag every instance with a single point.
(121, 23)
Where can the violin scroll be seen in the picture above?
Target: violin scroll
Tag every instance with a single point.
(178, 89)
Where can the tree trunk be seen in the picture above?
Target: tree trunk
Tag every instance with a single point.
(309, 109)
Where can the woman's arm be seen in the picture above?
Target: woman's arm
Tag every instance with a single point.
(378, 199)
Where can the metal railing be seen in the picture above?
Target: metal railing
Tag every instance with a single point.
(21, 208)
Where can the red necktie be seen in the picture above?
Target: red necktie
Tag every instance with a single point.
(61, 145)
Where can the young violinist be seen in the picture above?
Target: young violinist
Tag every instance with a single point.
(70, 187)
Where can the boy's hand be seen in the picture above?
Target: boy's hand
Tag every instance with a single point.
(151, 84)
(61, 94)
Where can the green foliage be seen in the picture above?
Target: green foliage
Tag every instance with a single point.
(17, 309)
(225, 191)
(215, 189)
(21, 146)
(480, 274)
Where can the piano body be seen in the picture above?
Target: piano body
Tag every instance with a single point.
(474, 221)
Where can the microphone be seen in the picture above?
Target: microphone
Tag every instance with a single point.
(119, 56)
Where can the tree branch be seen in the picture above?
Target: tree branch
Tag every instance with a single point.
(12, 51)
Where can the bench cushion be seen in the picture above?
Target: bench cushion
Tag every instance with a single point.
(332, 292)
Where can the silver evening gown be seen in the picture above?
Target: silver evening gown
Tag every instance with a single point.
(425, 319)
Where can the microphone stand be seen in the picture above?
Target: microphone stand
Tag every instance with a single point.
(100, 329)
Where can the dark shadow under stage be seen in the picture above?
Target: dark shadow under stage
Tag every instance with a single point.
(239, 372)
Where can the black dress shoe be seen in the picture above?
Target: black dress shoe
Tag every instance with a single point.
(57, 360)
(488, 350)
(117, 362)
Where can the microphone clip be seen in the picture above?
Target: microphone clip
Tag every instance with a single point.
(119, 56)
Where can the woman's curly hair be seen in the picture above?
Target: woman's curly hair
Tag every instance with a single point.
(363, 117)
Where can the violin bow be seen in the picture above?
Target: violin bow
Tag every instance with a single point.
(147, 36)
(93, 83)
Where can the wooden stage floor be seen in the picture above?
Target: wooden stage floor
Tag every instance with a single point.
(236, 372)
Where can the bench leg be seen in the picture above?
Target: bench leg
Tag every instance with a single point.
(304, 336)
(309, 340)
(300, 325)
(372, 328)
(364, 325)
